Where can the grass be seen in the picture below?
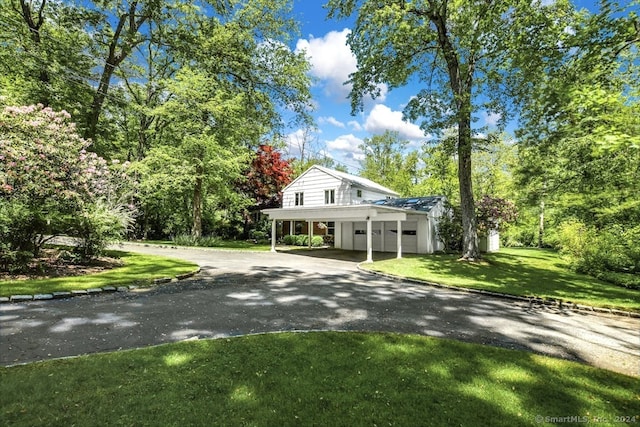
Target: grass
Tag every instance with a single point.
(137, 269)
(319, 378)
(524, 272)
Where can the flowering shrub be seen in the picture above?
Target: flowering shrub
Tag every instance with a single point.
(49, 182)
(494, 213)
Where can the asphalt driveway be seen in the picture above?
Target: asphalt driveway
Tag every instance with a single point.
(250, 292)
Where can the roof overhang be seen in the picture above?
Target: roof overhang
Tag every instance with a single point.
(339, 213)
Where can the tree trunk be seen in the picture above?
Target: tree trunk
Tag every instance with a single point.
(98, 99)
(541, 225)
(470, 249)
(461, 81)
(196, 228)
(34, 30)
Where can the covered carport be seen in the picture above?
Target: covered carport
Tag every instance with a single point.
(365, 214)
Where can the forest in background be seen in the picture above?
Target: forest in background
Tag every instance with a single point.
(179, 110)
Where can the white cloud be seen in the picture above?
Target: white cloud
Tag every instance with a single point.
(332, 62)
(332, 121)
(382, 118)
(491, 118)
(355, 125)
(348, 142)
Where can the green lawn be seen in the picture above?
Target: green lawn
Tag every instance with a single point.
(525, 272)
(137, 269)
(321, 378)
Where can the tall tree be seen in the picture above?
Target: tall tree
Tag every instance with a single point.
(241, 83)
(456, 49)
(44, 57)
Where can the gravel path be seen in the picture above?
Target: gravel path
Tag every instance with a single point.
(248, 292)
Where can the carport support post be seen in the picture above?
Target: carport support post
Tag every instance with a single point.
(310, 230)
(399, 237)
(273, 235)
(369, 241)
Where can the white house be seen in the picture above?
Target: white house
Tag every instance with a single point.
(361, 214)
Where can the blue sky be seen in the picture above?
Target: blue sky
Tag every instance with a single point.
(339, 133)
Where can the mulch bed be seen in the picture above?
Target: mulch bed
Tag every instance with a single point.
(51, 264)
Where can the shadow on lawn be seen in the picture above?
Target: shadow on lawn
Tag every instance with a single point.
(528, 274)
(316, 379)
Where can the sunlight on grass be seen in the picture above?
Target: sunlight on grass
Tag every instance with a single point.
(243, 394)
(176, 359)
(138, 269)
(321, 378)
(524, 272)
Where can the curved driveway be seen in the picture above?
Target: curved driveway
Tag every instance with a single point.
(251, 292)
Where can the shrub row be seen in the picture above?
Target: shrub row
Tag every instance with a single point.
(302, 240)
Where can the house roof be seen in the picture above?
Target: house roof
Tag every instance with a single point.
(352, 179)
(420, 204)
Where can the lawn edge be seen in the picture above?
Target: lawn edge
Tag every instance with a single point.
(94, 291)
(534, 299)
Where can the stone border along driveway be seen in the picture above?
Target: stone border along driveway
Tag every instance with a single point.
(559, 303)
(91, 291)
(239, 294)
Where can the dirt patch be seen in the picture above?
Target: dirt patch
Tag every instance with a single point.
(54, 263)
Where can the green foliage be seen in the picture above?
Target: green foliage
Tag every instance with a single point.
(302, 240)
(51, 185)
(191, 240)
(611, 254)
(99, 225)
(450, 229)
(386, 163)
(289, 239)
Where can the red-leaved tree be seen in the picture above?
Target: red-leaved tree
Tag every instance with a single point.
(268, 175)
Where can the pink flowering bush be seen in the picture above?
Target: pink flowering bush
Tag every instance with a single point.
(494, 213)
(49, 182)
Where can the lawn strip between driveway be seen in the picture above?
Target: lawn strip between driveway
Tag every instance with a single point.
(138, 271)
(528, 275)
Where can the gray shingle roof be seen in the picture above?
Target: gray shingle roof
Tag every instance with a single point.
(421, 204)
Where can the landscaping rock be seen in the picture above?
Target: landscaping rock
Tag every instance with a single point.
(162, 280)
(122, 289)
(109, 289)
(94, 290)
(79, 292)
(4, 299)
(185, 275)
(15, 298)
(61, 294)
(40, 297)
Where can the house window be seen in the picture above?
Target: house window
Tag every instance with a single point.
(299, 199)
(331, 228)
(358, 193)
(329, 197)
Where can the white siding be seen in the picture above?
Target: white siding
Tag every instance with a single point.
(313, 184)
(366, 195)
